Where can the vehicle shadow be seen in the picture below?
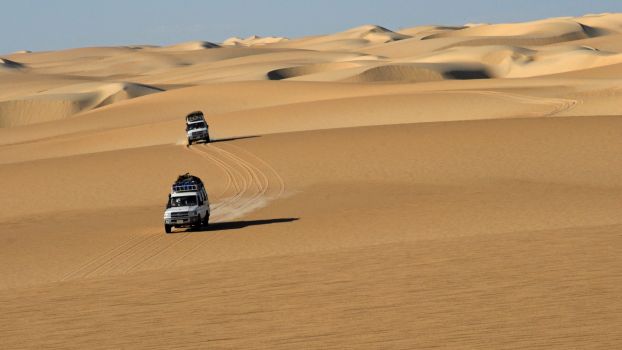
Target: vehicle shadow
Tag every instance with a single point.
(224, 140)
(234, 138)
(235, 225)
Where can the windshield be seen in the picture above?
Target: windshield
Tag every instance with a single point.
(195, 126)
(185, 201)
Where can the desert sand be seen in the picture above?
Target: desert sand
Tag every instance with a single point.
(442, 187)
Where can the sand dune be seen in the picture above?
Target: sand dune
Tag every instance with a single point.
(374, 34)
(482, 170)
(424, 31)
(429, 187)
(315, 115)
(607, 22)
(8, 64)
(60, 103)
(253, 40)
(16, 83)
(522, 217)
(511, 62)
(421, 72)
(487, 61)
(242, 65)
(350, 39)
(551, 30)
(292, 72)
(191, 46)
(185, 63)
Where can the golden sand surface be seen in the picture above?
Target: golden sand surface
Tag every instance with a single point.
(437, 187)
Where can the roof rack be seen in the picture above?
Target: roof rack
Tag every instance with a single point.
(187, 183)
(185, 188)
(196, 112)
(194, 117)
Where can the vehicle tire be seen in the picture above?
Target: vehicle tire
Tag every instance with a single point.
(189, 142)
(207, 139)
(167, 228)
(206, 220)
(199, 223)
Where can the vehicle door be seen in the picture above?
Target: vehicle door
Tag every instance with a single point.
(201, 201)
(206, 200)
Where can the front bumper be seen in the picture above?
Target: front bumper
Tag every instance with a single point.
(182, 221)
(198, 136)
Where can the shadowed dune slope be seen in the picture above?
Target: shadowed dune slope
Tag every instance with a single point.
(8, 64)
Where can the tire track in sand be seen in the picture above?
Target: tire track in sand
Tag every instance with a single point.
(235, 180)
(98, 260)
(262, 177)
(250, 183)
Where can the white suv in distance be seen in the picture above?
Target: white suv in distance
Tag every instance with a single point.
(196, 128)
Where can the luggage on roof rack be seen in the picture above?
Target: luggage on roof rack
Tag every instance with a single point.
(187, 183)
(195, 116)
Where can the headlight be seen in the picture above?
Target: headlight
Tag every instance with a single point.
(167, 215)
(193, 213)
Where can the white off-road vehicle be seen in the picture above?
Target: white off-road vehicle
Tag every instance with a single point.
(196, 127)
(188, 204)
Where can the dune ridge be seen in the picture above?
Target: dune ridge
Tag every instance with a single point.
(64, 102)
(191, 46)
(253, 40)
(9, 64)
(479, 51)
